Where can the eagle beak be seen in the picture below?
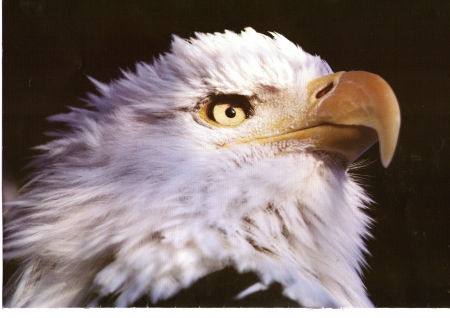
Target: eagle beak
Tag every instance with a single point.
(348, 112)
(344, 114)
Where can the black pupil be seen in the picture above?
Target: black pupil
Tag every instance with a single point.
(230, 112)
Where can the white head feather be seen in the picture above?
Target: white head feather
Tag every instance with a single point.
(138, 198)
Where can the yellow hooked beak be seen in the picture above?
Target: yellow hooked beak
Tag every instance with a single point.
(347, 113)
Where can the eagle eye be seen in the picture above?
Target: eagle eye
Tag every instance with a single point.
(227, 110)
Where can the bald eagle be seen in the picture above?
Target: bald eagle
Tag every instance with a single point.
(231, 150)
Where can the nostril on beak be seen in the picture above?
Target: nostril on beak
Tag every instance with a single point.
(325, 90)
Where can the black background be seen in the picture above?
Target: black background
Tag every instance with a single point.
(49, 47)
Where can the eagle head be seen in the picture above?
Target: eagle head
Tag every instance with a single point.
(231, 150)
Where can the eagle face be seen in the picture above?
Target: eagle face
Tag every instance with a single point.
(231, 150)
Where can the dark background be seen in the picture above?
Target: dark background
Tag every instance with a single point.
(49, 47)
